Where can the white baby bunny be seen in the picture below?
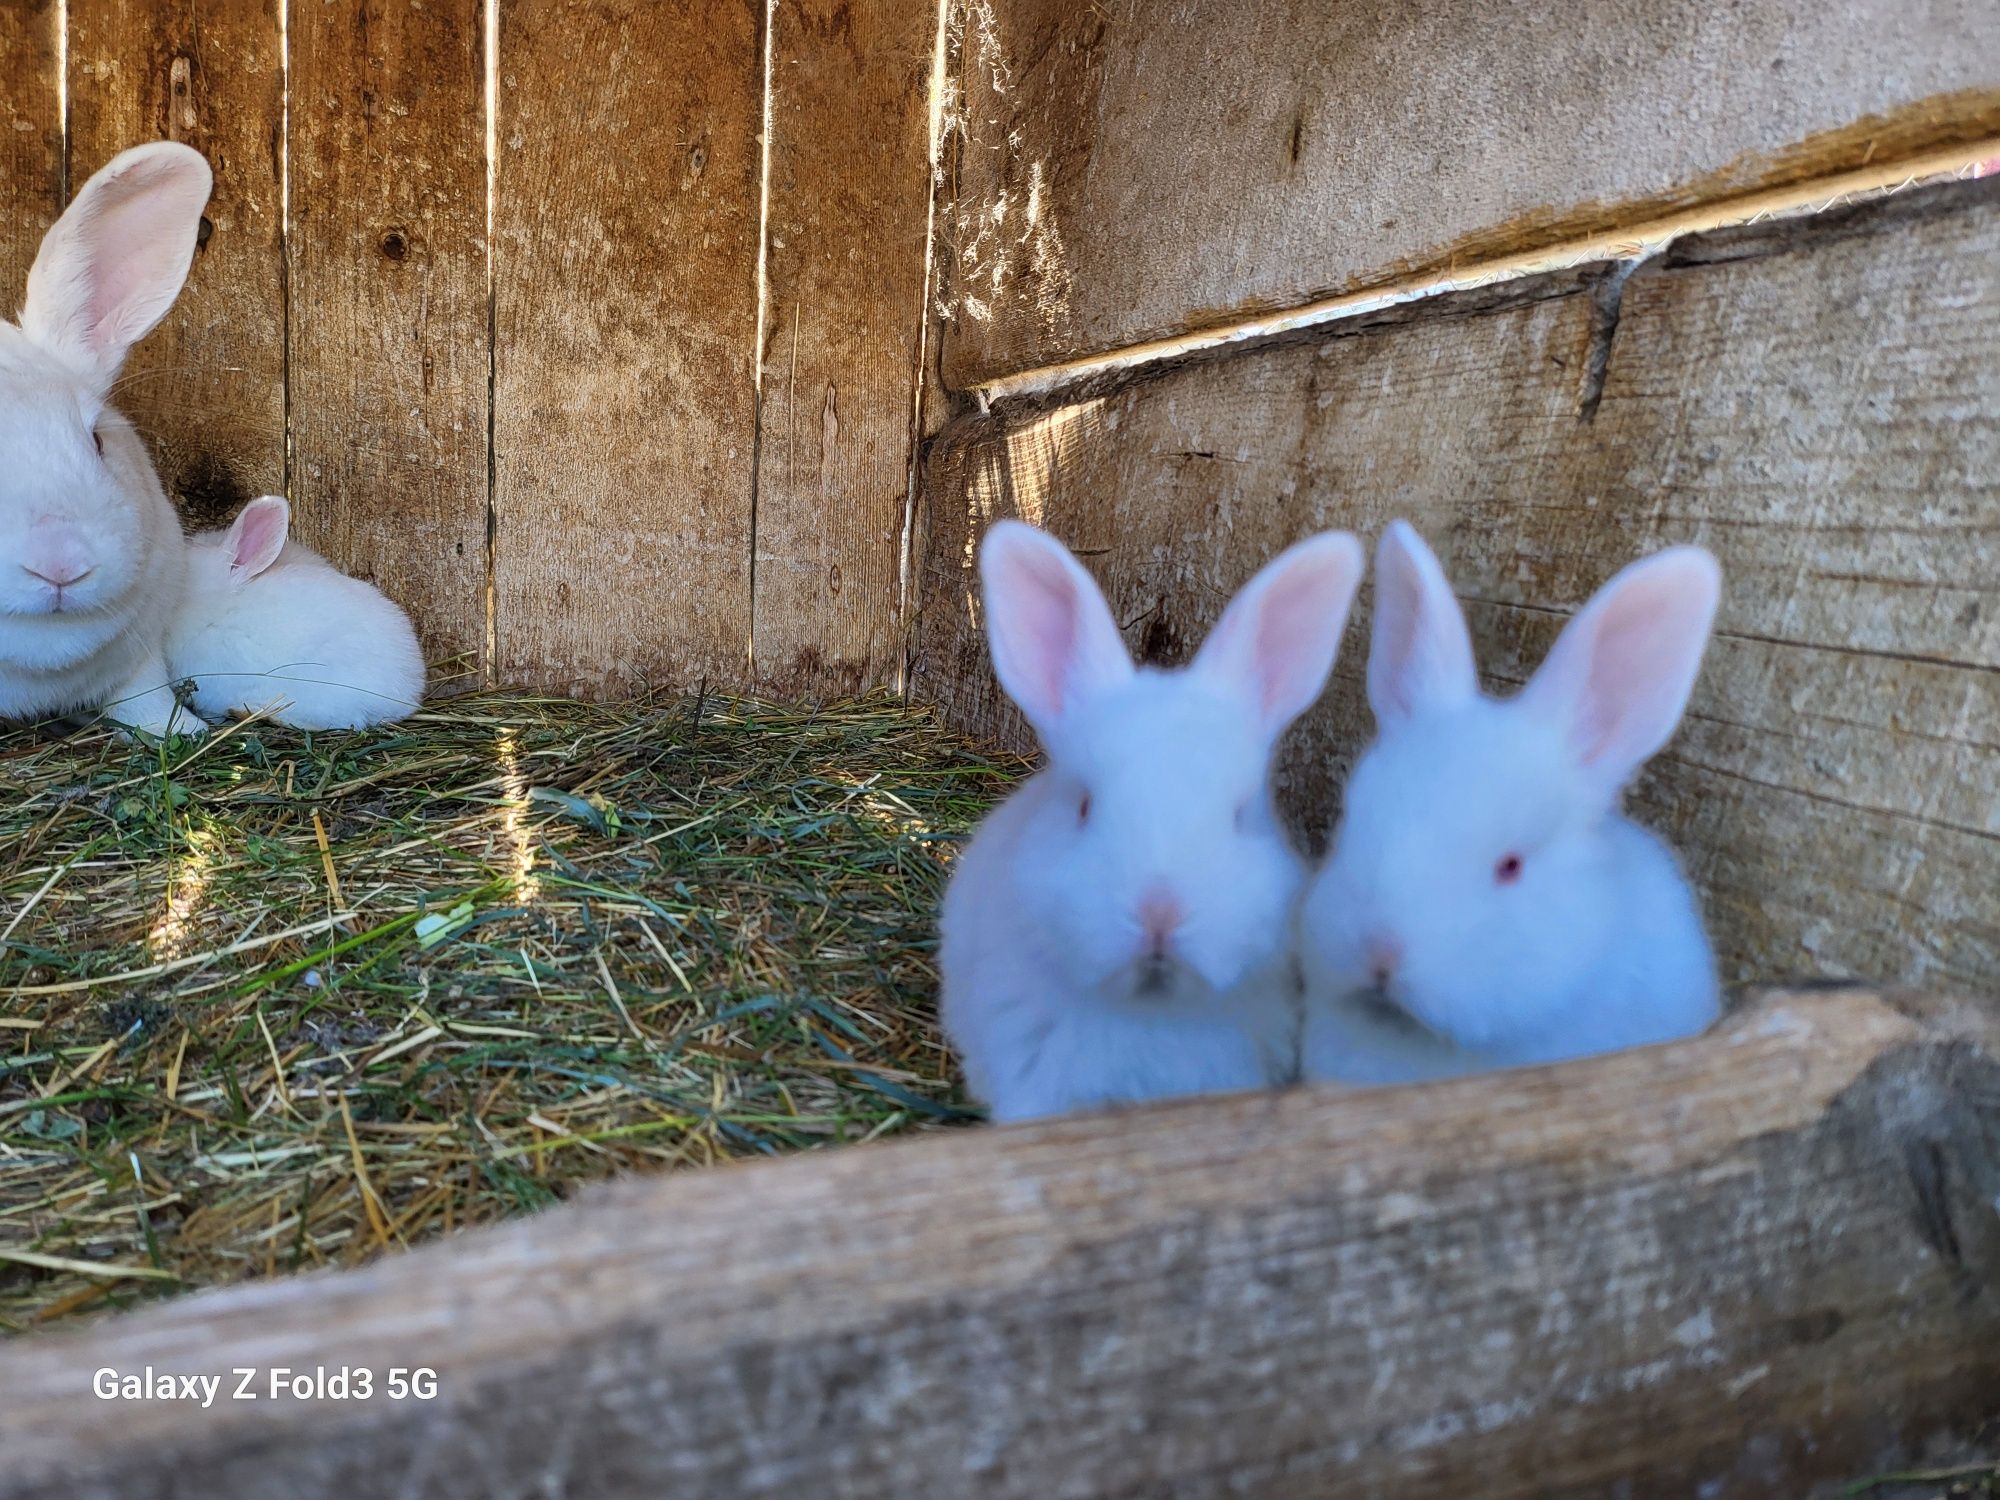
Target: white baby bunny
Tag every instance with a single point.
(1485, 904)
(91, 557)
(268, 625)
(1118, 929)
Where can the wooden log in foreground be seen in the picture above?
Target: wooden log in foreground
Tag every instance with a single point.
(1727, 1267)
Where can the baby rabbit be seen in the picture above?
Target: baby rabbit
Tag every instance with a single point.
(1485, 904)
(91, 557)
(269, 624)
(1118, 928)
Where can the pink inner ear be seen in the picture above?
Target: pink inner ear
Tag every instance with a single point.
(1639, 662)
(113, 265)
(1419, 652)
(258, 536)
(1039, 611)
(1298, 630)
(1395, 641)
(1633, 649)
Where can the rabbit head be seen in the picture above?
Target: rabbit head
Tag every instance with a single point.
(1154, 866)
(76, 484)
(1469, 886)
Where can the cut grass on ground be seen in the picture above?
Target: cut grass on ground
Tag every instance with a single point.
(276, 1001)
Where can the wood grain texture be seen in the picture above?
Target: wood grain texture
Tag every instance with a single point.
(625, 277)
(1135, 169)
(31, 137)
(208, 387)
(845, 265)
(1817, 402)
(1730, 1266)
(388, 305)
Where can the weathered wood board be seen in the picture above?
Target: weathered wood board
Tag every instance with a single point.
(625, 304)
(208, 387)
(1817, 401)
(1136, 169)
(845, 262)
(31, 138)
(1728, 1267)
(388, 303)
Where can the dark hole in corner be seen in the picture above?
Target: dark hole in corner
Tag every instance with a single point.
(209, 494)
(1159, 643)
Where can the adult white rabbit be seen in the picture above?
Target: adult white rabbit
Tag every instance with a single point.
(1485, 904)
(92, 562)
(1118, 929)
(269, 625)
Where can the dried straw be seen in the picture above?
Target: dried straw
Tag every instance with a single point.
(278, 1000)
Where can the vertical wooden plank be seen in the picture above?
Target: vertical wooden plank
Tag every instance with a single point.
(30, 136)
(388, 309)
(208, 388)
(625, 254)
(845, 267)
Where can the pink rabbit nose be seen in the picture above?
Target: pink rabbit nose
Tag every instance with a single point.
(1160, 913)
(57, 555)
(1384, 955)
(61, 572)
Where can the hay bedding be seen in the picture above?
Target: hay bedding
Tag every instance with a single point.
(277, 1001)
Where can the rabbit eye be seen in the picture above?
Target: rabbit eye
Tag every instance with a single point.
(97, 438)
(1508, 870)
(1083, 810)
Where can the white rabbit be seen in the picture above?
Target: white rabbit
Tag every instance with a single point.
(1485, 903)
(91, 557)
(1118, 929)
(269, 624)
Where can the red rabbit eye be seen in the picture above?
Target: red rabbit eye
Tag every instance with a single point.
(1508, 870)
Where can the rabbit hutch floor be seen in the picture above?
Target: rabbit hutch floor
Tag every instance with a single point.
(274, 1001)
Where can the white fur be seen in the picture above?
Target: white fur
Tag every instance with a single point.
(1055, 996)
(268, 625)
(1597, 944)
(107, 272)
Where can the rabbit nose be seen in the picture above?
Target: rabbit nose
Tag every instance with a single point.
(60, 572)
(1160, 913)
(59, 556)
(1384, 955)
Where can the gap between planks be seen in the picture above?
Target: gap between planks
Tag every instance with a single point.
(1632, 243)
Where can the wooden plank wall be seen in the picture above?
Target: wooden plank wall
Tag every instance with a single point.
(1817, 401)
(387, 302)
(625, 304)
(1737, 1267)
(1139, 168)
(31, 136)
(545, 442)
(850, 188)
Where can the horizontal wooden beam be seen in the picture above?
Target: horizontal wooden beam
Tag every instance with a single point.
(1132, 172)
(1725, 1267)
(1816, 400)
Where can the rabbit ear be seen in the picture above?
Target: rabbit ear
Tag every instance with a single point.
(1419, 655)
(1053, 639)
(113, 263)
(1619, 675)
(1276, 641)
(258, 536)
